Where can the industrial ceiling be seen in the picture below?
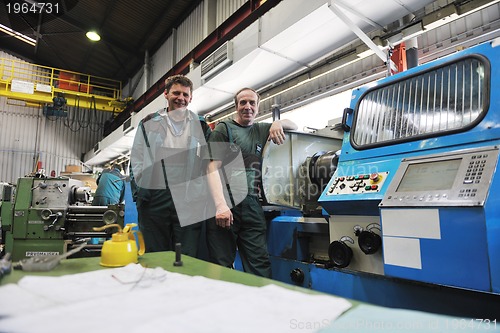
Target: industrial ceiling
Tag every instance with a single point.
(302, 42)
(128, 29)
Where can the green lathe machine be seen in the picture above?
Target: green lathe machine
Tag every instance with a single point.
(50, 216)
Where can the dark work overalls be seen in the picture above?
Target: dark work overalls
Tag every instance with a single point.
(248, 232)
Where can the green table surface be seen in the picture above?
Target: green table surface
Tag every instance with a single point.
(191, 266)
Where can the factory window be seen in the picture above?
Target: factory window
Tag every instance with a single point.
(442, 100)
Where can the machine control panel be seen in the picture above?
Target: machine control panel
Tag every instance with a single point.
(460, 178)
(52, 193)
(357, 184)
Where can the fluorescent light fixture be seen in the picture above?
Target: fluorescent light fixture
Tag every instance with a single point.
(93, 36)
(17, 35)
(365, 53)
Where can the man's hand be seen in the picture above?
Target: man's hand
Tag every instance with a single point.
(276, 133)
(223, 217)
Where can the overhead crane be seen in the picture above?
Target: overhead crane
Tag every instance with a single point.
(39, 85)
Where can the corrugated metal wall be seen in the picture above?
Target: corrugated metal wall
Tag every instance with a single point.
(160, 63)
(135, 86)
(27, 136)
(189, 33)
(226, 8)
(163, 60)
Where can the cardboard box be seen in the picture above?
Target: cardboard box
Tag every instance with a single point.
(73, 168)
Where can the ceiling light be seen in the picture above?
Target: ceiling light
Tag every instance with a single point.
(93, 36)
(364, 54)
(17, 35)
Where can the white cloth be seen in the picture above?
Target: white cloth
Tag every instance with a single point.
(138, 299)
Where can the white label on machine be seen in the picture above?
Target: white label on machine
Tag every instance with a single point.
(417, 223)
(403, 252)
(41, 253)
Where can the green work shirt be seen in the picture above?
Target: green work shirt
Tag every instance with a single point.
(250, 140)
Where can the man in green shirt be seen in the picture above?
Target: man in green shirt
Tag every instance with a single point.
(241, 226)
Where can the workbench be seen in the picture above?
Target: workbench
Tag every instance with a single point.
(359, 318)
(191, 266)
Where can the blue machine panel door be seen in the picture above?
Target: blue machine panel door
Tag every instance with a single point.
(437, 245)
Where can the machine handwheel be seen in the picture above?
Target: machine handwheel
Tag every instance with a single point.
(340, 254)
(369, 242)
(109, 217)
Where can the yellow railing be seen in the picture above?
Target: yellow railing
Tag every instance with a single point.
(35, 84)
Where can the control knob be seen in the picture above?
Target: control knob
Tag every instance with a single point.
(297, 276)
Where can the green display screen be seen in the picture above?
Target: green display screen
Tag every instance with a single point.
(429, 176)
